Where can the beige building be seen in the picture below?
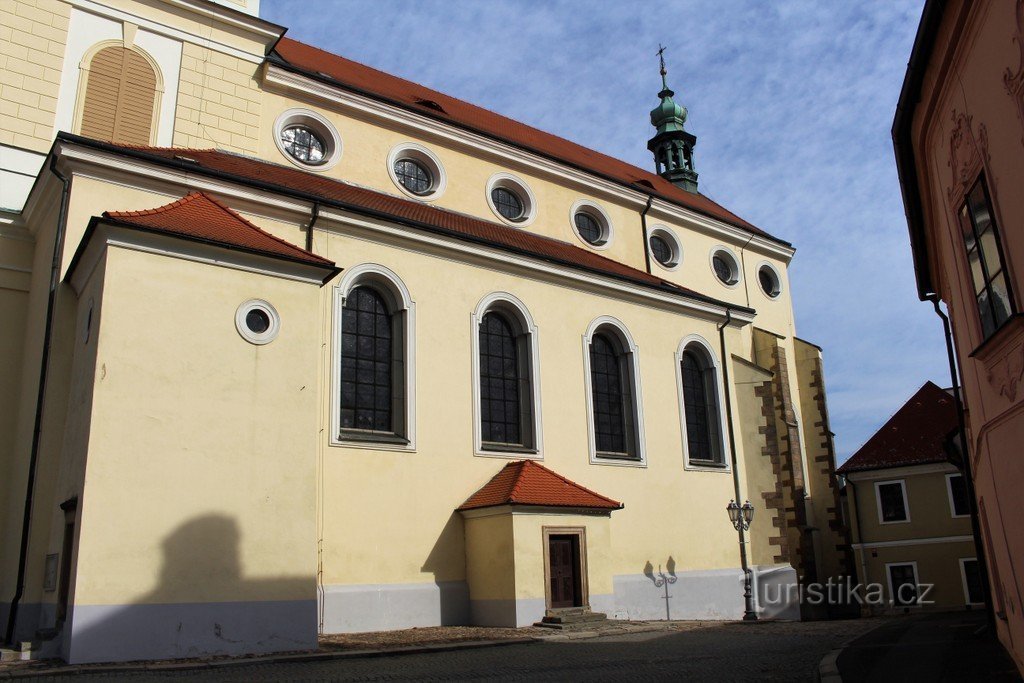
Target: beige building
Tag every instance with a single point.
(279, 322)
(910, 514)
(959, 140)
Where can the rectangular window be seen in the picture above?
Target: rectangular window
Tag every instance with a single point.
(973, 593)
(892, 502)
(959, 506)
(985, 258)
(903, 584)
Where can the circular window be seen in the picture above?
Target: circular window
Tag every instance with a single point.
(257, 321)
(510, 199)
(664, 246)
(768, 278)
(726, 267)
(591, 223)
(307, 139)
(303, 144)
(416, 171)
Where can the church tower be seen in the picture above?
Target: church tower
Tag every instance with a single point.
(672, 146)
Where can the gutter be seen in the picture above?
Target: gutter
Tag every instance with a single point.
(647, 244)
(194, 168)
(902, 141)
(965, 456)
(44, 363)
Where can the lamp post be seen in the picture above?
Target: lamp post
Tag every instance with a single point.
(741, 516)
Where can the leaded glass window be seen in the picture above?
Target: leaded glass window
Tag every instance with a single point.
(588, 227)
(303, 144)
(507, 203)
(612, 401)
(502, 383)
(985, 258)
(413, 176)
(723, 269)
(661, 250)
(700, 409)
(367, 363)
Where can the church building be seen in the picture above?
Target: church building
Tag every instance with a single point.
(296, 347)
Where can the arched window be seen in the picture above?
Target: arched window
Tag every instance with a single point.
(120, 101)
(614, 390)
(506, 395)
(701, 409)
(373, 374)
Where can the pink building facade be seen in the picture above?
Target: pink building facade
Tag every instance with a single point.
(959, 139)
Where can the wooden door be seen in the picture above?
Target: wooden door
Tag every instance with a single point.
(563, 555)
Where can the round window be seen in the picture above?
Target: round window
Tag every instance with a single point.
(588, 227)
(304, 145)
(507, 203)
(414, 176)
(257, 321)
(768, 278)
(664, 247)
(724, 265)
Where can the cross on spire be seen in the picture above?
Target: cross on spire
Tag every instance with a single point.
(661, 58)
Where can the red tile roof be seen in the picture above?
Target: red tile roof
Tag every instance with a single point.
(254, 171)
(380, 85)
(526, 482)
(199, 216)
(915, 435)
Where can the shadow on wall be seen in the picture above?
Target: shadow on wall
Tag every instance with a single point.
(663, 579)
(202, 605)
(447, 560)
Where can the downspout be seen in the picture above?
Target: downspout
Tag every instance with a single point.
(26, 522)
(748, 605)
(313, 218)
(966, 457)
(863, 578)
(647, 243)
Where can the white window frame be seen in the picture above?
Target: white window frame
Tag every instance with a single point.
(299, 116)
(632, 351)
(963, 581)
(917, 584)
(261, 338)
(517, 186)
(906, 501)
(719, 388)
(669, 235)
(778, 280)
(949, 492)
(421, 155)
(355, 276)
(597, 212)
(736, 264)
(507, 302)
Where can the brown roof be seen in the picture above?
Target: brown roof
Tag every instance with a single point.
(526, 482)
(317, 187)
(323, 65)
(915, 435)
(201, 217)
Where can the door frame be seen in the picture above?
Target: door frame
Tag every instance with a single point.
(581, 533)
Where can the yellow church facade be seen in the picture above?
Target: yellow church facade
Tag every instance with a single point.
(297, 347)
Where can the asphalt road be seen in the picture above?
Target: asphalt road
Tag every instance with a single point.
(765, 651)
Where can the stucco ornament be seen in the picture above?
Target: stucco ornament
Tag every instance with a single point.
(1005, 375)
(967, 155)
(1013, 79)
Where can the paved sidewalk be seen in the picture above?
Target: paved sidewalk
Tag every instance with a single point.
(949, 646)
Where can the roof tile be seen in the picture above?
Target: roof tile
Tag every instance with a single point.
(526, 482)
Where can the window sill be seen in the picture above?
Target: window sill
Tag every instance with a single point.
(999, 339)
(510, 449)
(626, 457)
(709, 465)
(368, 438)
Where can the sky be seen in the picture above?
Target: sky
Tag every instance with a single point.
(791, 102)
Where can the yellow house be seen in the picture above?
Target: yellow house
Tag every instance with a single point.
(909, 511)
(278, 319)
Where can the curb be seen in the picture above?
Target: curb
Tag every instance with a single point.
(271, 659)
(828, 667)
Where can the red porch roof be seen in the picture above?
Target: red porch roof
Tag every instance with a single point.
(526, 482)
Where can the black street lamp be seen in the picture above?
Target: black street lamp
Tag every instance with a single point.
(741, 516)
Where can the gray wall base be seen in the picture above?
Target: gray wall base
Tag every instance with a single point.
(119, 633)
(32, 616)
(383, 607)
(776, 592)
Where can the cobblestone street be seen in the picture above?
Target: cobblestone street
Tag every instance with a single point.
(775, 651)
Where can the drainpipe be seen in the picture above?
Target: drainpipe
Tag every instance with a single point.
(643, 223)
(966, 457)
(749, 613)
(26, 522)
(314, 217)
(863, 578)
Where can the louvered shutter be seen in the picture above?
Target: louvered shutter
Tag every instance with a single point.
(119, 97)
